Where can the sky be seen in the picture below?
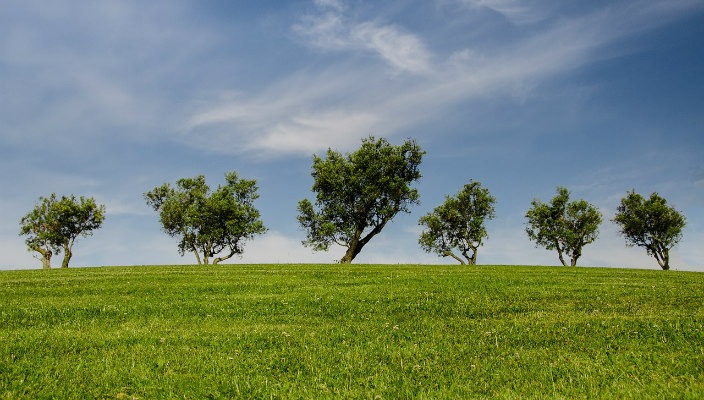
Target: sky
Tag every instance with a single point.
(110, 99)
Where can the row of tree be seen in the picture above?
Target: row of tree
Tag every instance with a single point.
(458, 225)
(357, 194)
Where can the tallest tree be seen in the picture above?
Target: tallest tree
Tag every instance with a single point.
(359, 193)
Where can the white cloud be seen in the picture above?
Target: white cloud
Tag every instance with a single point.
(275, 247)
(310, 133)
(403, 51)
(289, 118)
(516, 11)
(313, 110)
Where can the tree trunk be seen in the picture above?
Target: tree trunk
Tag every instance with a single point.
(470, 260)
(195, 251)
(219, 259)
(451, 254)
(663, 259)
(353, 248)
(46, 256)
(356, 245)
(559, 253)
(351, 253)
(575, 256)
(573, 260)
(46, 262)
(67, 255)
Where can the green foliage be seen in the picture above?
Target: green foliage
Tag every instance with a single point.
(40, 225)
(651, 224)
(353, 331)
(359, 193)
(458, 223)
(208, 223)
(562, 225)
(54, 225)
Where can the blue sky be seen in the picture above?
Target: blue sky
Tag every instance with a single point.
(110, 99)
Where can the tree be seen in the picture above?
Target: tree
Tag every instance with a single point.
(208, 223)
(563, 226)
(651, 224)
(359, 193)
(77, 217)
(54, 225)
(41, 226)
(459, 223)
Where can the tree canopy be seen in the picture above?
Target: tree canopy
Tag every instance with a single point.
(459, 223)
(208, 223)
(55, 224)
(359, 193)
(562, 225)
(650, 223)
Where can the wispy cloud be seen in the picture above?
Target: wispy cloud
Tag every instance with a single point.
(516, 11)
(301, 114)
(332, 30)
(102, 66)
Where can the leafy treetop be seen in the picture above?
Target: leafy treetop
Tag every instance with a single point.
(562, 225)
(359, 193)
(208, 223)
(459, 223)
(650, 223)
(55, 224)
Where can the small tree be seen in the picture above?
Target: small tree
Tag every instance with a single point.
(359, 193)
(459, 223)
(77, 217)
(563, 226)
(651, 224)
(54, 225)
(208, 223)
(41, 227)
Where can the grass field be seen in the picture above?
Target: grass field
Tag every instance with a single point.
(360, 331)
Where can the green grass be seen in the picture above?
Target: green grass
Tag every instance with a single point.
(365, 331)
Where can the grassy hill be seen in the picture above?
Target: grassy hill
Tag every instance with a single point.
(360, 331)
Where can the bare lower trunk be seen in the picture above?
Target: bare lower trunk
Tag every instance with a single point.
(470, 260)
(663, 258)
(353, 248)
(473, 259)
(559, 253)
(575, 256)
(220, 259)
(451, 254)
(351, 253)
(195, 251)
(356, 244)
(46, 257)
(573, 261)
(67, 256)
